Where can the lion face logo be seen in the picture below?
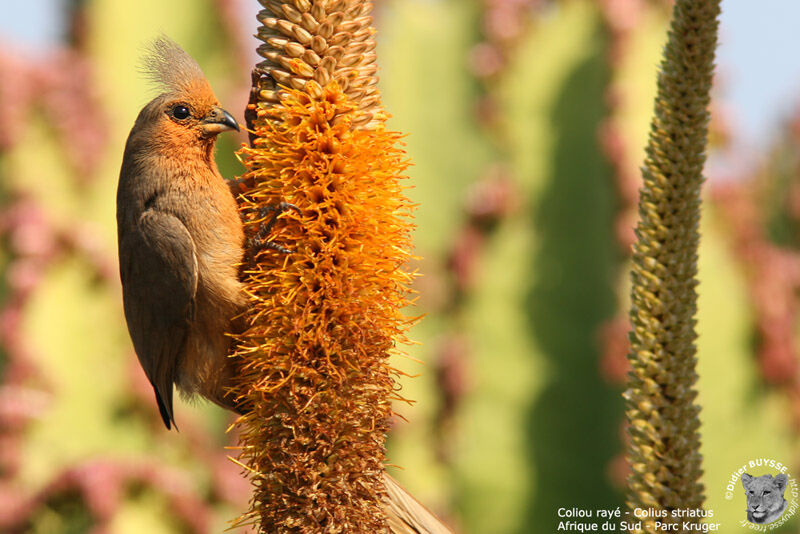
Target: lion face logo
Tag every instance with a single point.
(765, 502)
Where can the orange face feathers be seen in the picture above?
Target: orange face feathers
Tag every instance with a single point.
(186, 111)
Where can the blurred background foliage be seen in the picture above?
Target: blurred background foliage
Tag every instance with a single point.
(526, 121)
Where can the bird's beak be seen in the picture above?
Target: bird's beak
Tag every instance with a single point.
(217, 121)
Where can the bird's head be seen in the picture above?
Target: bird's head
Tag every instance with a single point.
(186, 113)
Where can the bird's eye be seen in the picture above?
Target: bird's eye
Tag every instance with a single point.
(180, 112)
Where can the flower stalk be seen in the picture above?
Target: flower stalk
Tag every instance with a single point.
(326, 296)
(661, 409)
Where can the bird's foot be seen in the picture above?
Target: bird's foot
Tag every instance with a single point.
(259, 242)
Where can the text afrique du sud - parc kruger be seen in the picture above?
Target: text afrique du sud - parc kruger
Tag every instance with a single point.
(664, 520)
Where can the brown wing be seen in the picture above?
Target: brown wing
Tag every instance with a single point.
(158, 267)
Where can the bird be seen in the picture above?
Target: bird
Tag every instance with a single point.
(180, 236)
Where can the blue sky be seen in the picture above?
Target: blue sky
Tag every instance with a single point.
(32, 22)
(759, 60)
(758, 57)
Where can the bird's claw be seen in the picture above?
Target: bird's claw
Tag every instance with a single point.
(258, 246)
(259, 241)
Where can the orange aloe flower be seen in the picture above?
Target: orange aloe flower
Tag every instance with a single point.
(325, 311)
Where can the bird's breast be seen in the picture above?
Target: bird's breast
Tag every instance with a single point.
(216, 228)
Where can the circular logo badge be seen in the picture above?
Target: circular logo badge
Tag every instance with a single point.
(768, 490)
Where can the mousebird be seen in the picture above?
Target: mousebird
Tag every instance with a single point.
(180, 235)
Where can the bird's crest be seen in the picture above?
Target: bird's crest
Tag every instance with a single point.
(171, 68)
